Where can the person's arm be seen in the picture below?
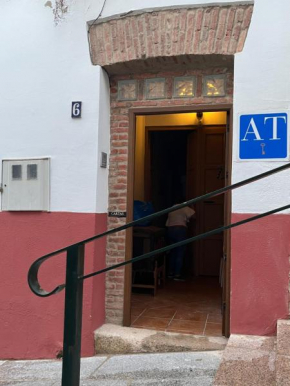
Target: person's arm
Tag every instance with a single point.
(190, 214)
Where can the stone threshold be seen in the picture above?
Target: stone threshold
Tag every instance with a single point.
(113, 339)
(248, 360)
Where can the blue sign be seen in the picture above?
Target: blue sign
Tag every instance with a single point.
(264, 136)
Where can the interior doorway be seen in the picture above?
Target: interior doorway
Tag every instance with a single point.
(178, 157)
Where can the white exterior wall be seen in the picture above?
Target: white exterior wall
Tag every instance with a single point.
(45, 67)
(262, 84)
(115, 7)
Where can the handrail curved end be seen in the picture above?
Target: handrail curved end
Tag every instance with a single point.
(33, 282)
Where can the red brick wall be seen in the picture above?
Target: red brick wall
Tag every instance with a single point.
(170, 32)
(119, 164)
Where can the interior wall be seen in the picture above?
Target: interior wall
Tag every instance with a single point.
(183, 119)
(186, 119)
(139, 159)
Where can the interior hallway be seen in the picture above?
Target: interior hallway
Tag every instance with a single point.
(191, 307)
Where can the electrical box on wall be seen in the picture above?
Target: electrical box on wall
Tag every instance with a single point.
(25, 185)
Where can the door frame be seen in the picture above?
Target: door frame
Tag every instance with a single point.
(133, 113)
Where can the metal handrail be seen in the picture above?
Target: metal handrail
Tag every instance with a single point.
(185, 242)
(33, 271)
(75, 273)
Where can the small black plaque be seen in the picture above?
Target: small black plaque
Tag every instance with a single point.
(76, 109)
(117, 214)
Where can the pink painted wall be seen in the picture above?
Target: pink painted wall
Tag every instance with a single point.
(32, 327)
(259, 279)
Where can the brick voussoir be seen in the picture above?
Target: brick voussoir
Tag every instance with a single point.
(204, 30)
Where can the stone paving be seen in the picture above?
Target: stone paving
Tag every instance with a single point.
(168, 369)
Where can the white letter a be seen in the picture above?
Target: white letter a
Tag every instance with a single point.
(254, 131)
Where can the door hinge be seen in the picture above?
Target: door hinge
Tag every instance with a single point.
(1, 188)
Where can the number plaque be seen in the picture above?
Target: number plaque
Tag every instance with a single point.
(76, 109)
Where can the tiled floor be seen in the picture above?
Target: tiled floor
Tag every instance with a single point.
(191, 307)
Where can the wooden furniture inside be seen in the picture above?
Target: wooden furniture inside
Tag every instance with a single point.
(148, 273)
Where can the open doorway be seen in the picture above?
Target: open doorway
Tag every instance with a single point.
(178, 157)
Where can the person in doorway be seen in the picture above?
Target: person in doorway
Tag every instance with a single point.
(176, 224)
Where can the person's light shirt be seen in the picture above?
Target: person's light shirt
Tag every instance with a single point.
(180, 217)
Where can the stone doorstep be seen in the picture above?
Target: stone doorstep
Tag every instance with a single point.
(247, 361)
(257, 360)
(113, 339)
(283, 353)
(283, 337)
(282, 370)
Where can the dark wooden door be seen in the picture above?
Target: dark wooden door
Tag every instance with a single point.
(206, 173)
(192, 191)
(212, 177)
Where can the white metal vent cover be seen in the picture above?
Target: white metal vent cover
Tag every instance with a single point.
(25, 185)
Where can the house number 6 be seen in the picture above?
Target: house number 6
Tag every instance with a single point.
(76, 109)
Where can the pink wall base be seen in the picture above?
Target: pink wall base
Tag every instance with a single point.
(260, 274)
(32, 327)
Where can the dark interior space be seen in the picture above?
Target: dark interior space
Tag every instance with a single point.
(168, 169)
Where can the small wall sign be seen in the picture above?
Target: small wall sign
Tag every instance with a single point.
(117, 214)
(76, 109)
(104, 159)
(264, 137)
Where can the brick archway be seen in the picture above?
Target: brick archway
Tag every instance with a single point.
(121, 41)
(166, 44)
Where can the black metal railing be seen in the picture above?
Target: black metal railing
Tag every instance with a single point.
(75, 273)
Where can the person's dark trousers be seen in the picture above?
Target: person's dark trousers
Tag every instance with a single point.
(176, 234)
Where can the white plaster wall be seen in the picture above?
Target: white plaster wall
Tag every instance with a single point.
(103, 141)
(44, 67)
(115, 7)
(262, 83)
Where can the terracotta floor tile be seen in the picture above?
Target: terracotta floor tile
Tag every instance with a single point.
(193, 300)
(204, 307)
(162, 312)
(136, 311)
(214, 318)
(185, 314)
(186, 326)
(151, 323)
(160, 304)
(213, 329)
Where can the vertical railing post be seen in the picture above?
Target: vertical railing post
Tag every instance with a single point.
(73, 316)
